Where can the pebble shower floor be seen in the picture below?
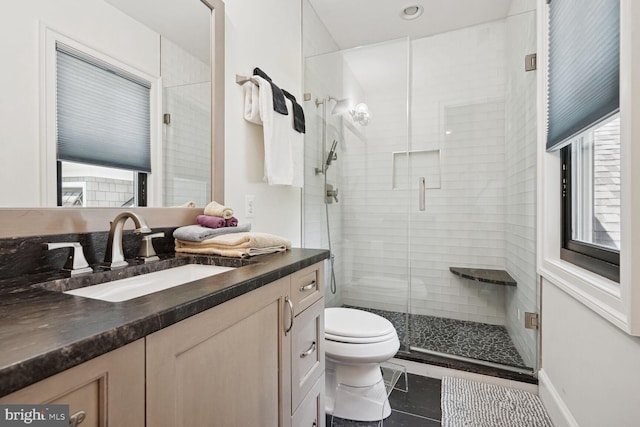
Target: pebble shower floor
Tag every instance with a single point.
(480, 341)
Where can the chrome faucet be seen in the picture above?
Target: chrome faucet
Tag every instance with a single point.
(114, 256)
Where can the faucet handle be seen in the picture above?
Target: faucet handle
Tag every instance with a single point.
(147, 252)
(76, 262)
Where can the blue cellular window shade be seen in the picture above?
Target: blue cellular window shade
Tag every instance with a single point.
(103, 113)
(584, 66)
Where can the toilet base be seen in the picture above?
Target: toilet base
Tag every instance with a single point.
(355, 392)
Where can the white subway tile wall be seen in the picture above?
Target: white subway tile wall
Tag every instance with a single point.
(104, 192)
(185, 141)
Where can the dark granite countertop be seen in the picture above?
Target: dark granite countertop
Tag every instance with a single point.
(44, 331)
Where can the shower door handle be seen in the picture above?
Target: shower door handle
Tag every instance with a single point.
(421, 190)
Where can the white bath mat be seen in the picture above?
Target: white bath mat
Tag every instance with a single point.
(467, 403)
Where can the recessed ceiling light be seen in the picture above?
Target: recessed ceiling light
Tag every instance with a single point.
(411, 12)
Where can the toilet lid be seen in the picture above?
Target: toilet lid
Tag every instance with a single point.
(351, 323)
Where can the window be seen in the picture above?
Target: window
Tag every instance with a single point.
(103, 131)
(583, 122)
(591, 199)
(95, 186)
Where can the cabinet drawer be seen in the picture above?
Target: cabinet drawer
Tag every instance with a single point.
(307, 351)
(307, 286)
(310, 413)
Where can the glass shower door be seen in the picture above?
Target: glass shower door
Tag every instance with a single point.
(471, 167)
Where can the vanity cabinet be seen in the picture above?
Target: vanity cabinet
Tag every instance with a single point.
(221, 367)
(246, 362)
(109, 389)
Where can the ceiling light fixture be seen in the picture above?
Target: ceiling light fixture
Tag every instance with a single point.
(411, 12)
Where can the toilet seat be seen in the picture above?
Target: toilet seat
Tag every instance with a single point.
(359, 340)
(356, 326)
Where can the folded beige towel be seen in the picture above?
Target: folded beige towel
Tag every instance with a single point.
(241, 245)
(233, 253)
(216, 209)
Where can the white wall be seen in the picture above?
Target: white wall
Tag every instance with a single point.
(316, 39)
(265, 34)
(589, 365)
(90, 22)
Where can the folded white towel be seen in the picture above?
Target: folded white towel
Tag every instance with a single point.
(251, 103)
(283, 146)
(216, 209)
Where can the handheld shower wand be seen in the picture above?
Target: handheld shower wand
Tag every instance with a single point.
(332, 153)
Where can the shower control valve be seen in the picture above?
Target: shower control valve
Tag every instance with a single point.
(331, 194)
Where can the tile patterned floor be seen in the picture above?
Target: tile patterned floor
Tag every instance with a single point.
(474, 340)
(419, 407)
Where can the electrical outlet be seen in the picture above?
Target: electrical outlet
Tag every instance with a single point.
(249, 206)
(519, 314)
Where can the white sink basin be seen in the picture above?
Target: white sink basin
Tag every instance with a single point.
(134, 287)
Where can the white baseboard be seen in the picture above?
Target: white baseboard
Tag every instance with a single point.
(438, 372)
(553, 403)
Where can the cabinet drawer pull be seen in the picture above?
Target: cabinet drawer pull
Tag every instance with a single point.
(308, 287)
(290, 304)
(309, 351)
(77, 418)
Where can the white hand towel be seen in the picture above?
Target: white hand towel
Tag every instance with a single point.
(283, 146)
(278, 166)
(251, 103)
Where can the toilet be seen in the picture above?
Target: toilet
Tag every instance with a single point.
(355, 343)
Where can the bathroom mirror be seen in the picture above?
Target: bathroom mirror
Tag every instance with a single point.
(174, 47)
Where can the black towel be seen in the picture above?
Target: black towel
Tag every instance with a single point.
(279, 104)
(298, 113)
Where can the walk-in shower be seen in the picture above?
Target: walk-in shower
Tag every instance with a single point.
(454, 126)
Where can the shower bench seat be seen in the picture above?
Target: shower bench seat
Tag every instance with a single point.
(486, 275)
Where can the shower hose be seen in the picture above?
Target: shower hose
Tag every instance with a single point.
(331, 255)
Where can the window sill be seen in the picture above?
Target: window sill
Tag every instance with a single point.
(596, 292)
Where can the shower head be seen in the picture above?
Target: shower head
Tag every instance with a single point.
(342, 105)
